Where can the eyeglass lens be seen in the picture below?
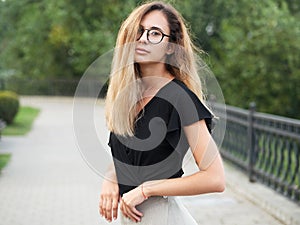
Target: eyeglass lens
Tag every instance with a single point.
(154, 36)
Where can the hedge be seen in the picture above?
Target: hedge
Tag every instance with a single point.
(9, 106)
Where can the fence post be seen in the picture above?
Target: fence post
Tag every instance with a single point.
(251, 143)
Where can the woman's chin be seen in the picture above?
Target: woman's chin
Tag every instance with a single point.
(145, 61)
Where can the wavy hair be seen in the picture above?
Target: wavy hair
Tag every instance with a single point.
(124, 89)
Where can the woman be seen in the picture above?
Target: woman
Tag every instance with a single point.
(155, 112)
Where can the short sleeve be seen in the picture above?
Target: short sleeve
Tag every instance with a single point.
(193, 110)
(187, 110)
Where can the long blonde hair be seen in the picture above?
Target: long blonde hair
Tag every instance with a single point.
(124, 90)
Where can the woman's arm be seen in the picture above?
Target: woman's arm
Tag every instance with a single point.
(200, 182)
(109, 196)
(210, 178)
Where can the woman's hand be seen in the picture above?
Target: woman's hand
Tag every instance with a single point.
(109, 198)
(129, 202)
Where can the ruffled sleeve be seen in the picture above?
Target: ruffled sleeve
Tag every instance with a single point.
(187, 110)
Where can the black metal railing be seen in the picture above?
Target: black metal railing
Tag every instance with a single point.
(52, 87)
(266, 146)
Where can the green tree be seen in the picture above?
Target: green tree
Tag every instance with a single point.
(257, 57)
(57, 38)
(253, 48)
(253, 45)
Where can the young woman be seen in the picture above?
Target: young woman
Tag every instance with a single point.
(155, 111)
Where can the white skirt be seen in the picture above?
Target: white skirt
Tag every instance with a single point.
(162, 211)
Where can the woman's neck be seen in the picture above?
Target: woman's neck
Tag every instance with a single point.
(155, 75)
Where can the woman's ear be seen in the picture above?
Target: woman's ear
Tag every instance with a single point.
(170, 49)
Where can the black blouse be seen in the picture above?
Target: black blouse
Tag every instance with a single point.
(157, 149)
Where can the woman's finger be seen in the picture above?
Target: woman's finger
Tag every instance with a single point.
(131, 212)
(123, 210)
(115, 208)
(101, 206)
(136, 212)
(108, 209)
(132, 215)
(122, 207)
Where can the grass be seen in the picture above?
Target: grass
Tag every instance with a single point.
(23, 121)
(4, 158)
(21, 125)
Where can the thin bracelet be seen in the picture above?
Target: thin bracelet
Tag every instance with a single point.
(142, 189)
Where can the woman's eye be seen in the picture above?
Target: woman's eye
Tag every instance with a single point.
(154, 33)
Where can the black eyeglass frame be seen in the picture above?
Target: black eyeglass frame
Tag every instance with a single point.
(148, 31)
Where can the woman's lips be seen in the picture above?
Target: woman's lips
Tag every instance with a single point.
(141, 51)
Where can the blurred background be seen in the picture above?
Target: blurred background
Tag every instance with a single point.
(253, 49)
(253, 46)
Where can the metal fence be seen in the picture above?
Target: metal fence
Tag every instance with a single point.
(52, 87)
(266, 146)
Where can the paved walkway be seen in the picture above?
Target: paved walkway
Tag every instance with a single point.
(47, 181)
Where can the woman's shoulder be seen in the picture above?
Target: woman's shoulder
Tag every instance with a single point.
(183, 87)
(186, 103)
(177, 91)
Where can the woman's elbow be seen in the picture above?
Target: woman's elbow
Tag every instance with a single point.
(219, 184)
(220, 187)
(218, 174)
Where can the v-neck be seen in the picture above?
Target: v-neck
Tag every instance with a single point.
(138, 115)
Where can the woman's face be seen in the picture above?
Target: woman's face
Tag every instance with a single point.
(150, 49)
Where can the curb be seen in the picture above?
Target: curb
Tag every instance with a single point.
(264, 197)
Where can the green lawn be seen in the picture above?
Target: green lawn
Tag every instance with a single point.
(4, 158)
(21, 125)
(23, 121)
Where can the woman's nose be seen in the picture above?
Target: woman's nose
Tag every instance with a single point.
(144, 38)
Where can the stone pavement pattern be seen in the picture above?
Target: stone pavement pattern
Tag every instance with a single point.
(48, 182)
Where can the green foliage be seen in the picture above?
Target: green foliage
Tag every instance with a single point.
(257, 57)
(9, 106)
(4, 158)
(254, 50)
(57, 38)
(23, 121)
(253, 45)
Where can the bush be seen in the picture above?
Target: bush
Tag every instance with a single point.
(9, 106)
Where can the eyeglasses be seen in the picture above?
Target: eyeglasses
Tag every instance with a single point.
(154, 36)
